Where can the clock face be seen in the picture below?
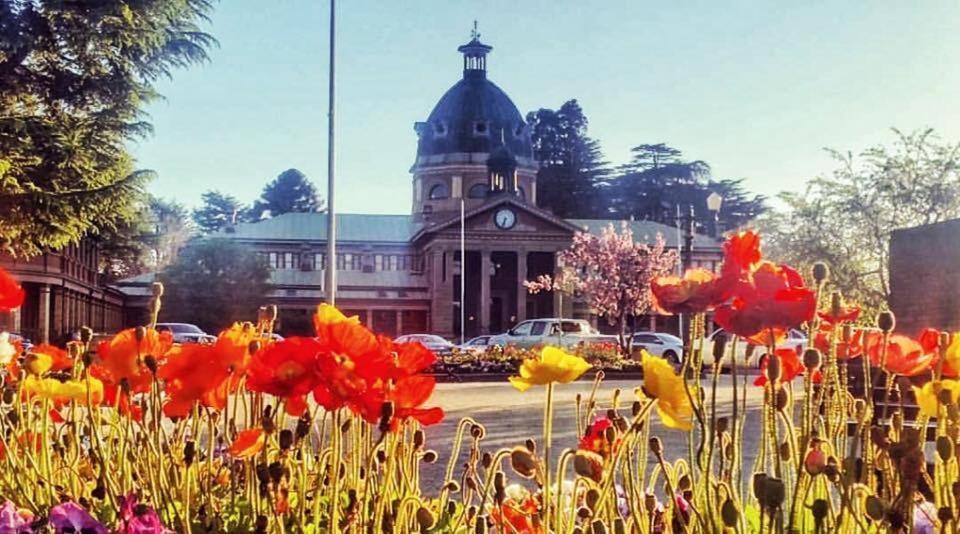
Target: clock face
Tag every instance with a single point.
(505, 219)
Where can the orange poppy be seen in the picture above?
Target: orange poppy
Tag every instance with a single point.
(122, 357)
(846, 350)
(771, 297)
(741, 252)
(248, 443)
(286, 369)
(408, 395)
(790, 368)
(698, 291)
(843, 315)
(54, 358)
(517, 515)
(11, 294)
(904, 356)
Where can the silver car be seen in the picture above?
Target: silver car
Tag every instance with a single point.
(435, 343)
(666, 346)
(186, 333)
(556, 332)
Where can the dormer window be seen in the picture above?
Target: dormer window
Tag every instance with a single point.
(480, 128)
(439, 129)
(439, 192)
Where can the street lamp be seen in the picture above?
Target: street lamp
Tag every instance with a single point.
(714, 201)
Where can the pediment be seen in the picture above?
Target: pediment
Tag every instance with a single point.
(529, 220)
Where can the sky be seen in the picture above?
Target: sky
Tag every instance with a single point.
(756, 89)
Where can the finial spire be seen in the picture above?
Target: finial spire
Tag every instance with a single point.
(475, 35)
(475, 55)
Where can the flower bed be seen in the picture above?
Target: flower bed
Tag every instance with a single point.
(498, 360)
(325, 433)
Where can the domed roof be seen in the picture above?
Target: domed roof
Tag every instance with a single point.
(474, 116)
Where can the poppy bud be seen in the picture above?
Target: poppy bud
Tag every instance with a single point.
(139, 333)
(875, 508)
(286, 439)
(820, 272)
(486, 460)
(386, 410)
(303, 427)
(418, 439)
(345, 426)
(635, 408)
(583, 512)
(451, 508)
(649, 502)
(530, 445)
(499, 482)
(619, 527)
(784, 451)
(8, 395)
(759, 486)
(523, 462)
(684, 483)
(481, 526)
(782, 399)
(773, 368)
(846, 333)
(945, 514)
(430, 457)
(729, 513)
(719, 347)
(722, 425)
(100, 491)
(812, 359)
(275, 470)
(886, 321)
(598, 527)
(189, 452)
(263, 476)
(381, 456)
(775, 492)
(656, 446)
(86, 334)
(261, 524)
(944, 448)
(588, 464)
(425, 518)
(151, 362)
(477, 431)
(815, 461)
(819, 509)
(452, 486)
(156, 289)
(610, 434)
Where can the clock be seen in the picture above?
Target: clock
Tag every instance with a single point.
(505, 218)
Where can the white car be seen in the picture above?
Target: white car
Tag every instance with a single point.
(477, 345)
(795, 340)
(556, 332)
(435, 343)
(666, 346)
(186, 333)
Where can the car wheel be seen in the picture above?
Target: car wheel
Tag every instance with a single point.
(671, 357)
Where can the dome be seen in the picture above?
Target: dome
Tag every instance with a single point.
(474, 116)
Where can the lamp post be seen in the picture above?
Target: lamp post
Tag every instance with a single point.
(714, 201)
(687, 256)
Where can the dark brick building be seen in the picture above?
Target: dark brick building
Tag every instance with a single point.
(925, 276)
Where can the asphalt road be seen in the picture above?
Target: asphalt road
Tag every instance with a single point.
(510, 417)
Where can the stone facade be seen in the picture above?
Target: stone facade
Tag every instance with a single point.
(925, 278)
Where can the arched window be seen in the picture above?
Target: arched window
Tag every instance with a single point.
(478, 191)
(439, 191)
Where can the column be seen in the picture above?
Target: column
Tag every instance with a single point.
(441, 296)
(484, 292)
(399, 322)
(44, 316)
(521, 289)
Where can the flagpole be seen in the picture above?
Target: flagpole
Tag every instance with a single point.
(679, 269)
(463, 272)
(330, 275)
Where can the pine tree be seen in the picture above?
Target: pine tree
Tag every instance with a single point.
(218, 211)
(74, 77)
(290, 192)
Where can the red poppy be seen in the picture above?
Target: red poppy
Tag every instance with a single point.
(741, 252)
(594, 440)
(790, 367)
(11, 294)
(843, 315)
(287, 369)
(846, 350)
(698, 291)
(60, 360)
(519, 516)
(904, 356)
(771, 297)
(408, 395)
(411, 359)
(248, 443)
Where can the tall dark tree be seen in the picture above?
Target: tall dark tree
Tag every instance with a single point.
(290, 192)
(571, 163)
(74, 78)
(214, 283)
(219, 210)
(658, 180)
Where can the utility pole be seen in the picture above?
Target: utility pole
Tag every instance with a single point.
(330, 275)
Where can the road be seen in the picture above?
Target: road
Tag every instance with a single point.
(510, 417)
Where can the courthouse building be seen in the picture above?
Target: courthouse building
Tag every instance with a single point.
(402, 273)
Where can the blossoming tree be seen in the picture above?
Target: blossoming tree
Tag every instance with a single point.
(613, 272)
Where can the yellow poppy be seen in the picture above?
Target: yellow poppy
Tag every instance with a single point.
(553, 365)
(927, 395)
(63, 392)
(951, 356)
(661, 382)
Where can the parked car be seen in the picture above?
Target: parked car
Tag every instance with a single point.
(18, 338)
(557, 332)
(666, 346)
(435, 343)
(477, 345)
(186, 333)
(795, 340)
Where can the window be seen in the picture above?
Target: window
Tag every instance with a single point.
(646, 338)
(273, 261)
(538, 328)
(522, 329)
(478, 191)
(287, 260)
(319, 261)
(439, 191)
(571, 326)
(480, 128)
(521, 193)
(378, 262)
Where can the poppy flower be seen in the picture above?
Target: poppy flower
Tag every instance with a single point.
(842, 315)
(11, 294)
(516, 514)
(661, 382)
(287, 369)
(60, 393)
(846, 350)
(189, 373)
(698, 291)
(552, 365)
(71, 517)
(927, 396)
(248, 443)
(904, 356)
(594, 439)
(790, 367)
(138, 518)
(408, 396)
(951, 357)
(771, 297)
(13, 520)
(741, 252)
(122, 357)
(52, 359)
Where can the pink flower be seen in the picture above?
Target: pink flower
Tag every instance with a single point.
(139, 518)
(11, 521)
(71, 517)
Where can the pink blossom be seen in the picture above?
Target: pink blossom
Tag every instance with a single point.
(71, 517)
(12, 521)
(139, 518)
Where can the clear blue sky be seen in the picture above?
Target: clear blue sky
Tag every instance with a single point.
(756, 89)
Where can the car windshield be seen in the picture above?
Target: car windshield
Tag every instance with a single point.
(670, 338)
(180, 328)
